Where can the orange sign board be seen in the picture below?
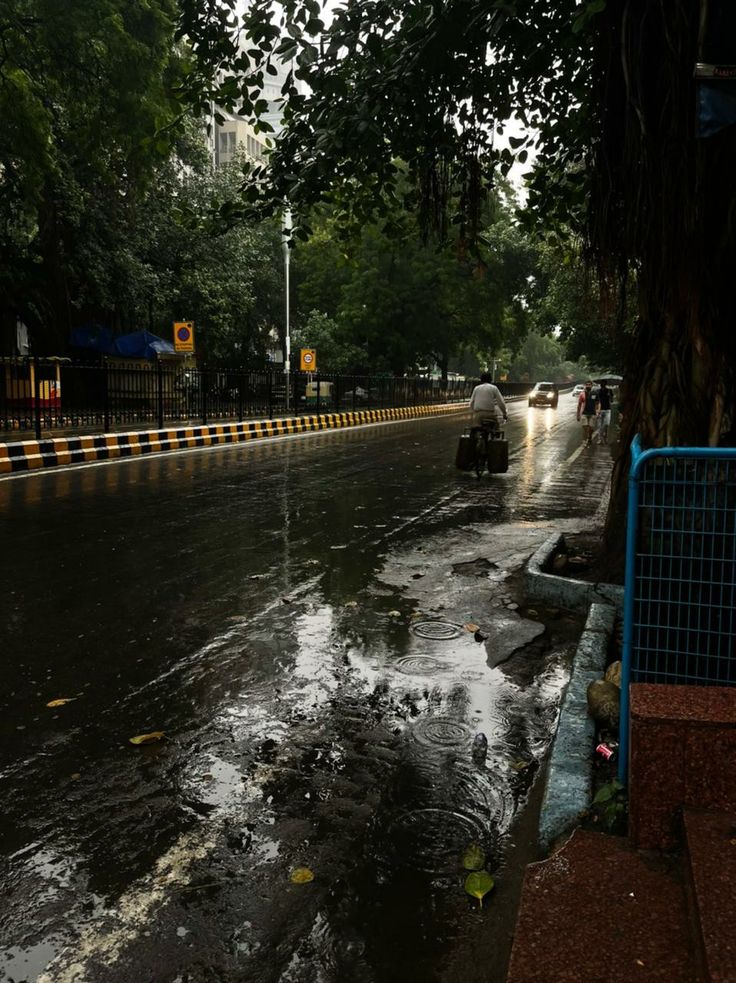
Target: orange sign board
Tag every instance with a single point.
(184, 336)
(308, 361)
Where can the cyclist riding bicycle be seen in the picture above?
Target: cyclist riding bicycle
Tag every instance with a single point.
(487, 403)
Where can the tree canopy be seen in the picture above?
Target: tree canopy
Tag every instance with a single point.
(428, 84)
(86, 97)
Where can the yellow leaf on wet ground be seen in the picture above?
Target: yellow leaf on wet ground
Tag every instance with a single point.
(151, 738)
(302, 875)
(61, 702)
(478, 884)
(471, 627)
(520, 764)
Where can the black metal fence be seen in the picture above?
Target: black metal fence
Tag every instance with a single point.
(47, 396)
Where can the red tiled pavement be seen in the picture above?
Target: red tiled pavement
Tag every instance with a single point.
(600, 912)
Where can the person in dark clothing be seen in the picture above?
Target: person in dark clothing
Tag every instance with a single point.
(603, 406)
(586, 411)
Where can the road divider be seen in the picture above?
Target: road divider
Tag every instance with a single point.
(31, 455)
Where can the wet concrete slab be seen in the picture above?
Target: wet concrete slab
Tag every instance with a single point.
(507, 633)
(260, 606)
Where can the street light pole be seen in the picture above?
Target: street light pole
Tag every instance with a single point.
(285, 237)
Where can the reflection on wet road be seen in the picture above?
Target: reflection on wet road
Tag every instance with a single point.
(262, 605)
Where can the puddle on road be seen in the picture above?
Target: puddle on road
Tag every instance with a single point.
(343, 741)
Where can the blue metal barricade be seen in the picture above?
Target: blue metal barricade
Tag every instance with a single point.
(680, 593)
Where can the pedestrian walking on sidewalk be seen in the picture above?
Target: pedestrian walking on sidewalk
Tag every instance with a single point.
(486, 402)
(603, 405)
(586, 411)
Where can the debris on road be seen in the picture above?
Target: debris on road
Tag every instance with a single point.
(151, 738)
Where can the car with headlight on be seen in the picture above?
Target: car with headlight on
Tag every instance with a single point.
(577, 390)
(544, 394)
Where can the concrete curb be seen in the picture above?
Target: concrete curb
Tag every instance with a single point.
(565, 592)
(30, 455)
(569, 787)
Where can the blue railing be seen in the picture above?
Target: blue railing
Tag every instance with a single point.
(680, 586)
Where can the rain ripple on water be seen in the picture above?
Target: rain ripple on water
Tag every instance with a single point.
(419, 665)
(439, 631)
(433, 839)
(442, 732)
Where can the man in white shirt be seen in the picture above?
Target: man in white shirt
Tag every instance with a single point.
(486, 402)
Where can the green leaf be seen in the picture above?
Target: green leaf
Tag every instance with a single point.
(474, 857)
(478, 884)
(607, 792)
(603, 795)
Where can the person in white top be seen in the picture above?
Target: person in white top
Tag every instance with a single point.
(486, 402)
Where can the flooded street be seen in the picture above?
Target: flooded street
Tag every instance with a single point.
(291, 615)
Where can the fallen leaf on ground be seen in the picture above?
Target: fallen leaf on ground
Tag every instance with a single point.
(473, 858)
(76, 776)
(478, 884)
(351, 604)
(471, 628)
(302, 875)
(60, 703)
(151, 738)
(520, 765)
(394, 614)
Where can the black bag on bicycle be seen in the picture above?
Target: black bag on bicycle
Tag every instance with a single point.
(498, 453)
(465, 457)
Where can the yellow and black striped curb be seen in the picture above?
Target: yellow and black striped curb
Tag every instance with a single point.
(29, 455)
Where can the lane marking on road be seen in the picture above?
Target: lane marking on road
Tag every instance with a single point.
(133, 912)
(517, 452)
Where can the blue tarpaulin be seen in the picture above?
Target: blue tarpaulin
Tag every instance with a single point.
(142, 344)
(138, 344)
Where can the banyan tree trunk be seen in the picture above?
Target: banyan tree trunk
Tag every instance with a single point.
(664, 210)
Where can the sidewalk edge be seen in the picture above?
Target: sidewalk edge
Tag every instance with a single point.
(569, 784)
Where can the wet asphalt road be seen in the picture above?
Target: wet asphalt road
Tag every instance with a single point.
(262, 605)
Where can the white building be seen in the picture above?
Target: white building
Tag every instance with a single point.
(235, 132)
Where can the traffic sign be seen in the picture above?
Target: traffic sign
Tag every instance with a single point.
(184, 336)
(308, 360)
